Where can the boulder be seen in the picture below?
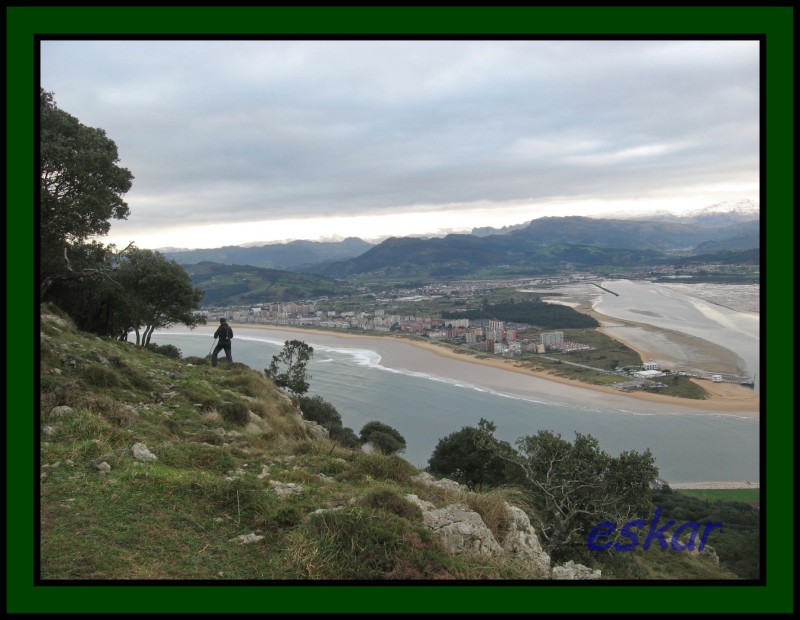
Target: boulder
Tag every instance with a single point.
(443, 483)
(570, 570)
(459, 529)
(520, 540)
(142, 453)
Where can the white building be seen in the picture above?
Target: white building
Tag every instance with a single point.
(650, 365)
(551, 338)
(648, 374)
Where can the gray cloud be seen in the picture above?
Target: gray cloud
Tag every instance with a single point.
(261, 129)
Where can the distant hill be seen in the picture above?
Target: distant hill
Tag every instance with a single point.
(717, 216)
(545, 244)
(276, 255)
(244, 284)
(631, 234)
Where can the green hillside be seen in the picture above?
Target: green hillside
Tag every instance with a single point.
(155, 467)
(245, 284)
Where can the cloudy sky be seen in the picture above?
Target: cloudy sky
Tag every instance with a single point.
(234, 142)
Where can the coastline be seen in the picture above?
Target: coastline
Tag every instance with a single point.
(725, 398)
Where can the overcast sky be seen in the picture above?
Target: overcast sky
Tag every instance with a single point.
(234, 142)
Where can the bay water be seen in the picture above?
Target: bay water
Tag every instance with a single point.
(425, 407)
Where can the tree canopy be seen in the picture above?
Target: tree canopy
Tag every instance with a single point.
(461, 457)
(574, 486)
(382, 437)
(288, 368)
(81, 189)
(155, 293)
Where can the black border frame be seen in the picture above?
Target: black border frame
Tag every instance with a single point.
(771, 24)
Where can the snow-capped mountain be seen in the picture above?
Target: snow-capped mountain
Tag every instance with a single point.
(741, 208)
(716, 215)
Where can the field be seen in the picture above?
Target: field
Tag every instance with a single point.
(747, 496)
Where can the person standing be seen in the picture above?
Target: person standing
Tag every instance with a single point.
(224, 333)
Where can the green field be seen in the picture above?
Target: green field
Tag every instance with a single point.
(747, 496)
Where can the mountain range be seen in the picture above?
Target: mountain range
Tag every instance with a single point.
(540, 246)
(286, 256)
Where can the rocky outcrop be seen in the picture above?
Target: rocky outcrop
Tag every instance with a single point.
(461, 530)
(458, 528)
(316, 430)
(521, 541)
(570, 570)
(443, 483)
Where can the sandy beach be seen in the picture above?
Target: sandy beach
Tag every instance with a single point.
(503, 374)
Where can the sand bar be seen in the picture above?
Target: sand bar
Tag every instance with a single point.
(744, 484)
(505, 375)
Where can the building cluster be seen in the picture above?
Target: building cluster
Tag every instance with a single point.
(495, 337)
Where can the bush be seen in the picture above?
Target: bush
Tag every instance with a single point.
(100, 376)
(168, 350)
(320, 411)
(383, 437)
(391, 502)
(197, 361)
(345, 437)
(197, 456)
(238, 413)
(381, 467)
(359, 544)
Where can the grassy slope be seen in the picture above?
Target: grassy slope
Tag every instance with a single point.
(220, 435)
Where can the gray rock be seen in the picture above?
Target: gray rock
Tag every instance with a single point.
(570, 570)
(48, 430)
(521, 541)
(316, 430)
(443, 483)
(461, 530)
(264, 472)
(103, 467)
(142, 453)
(61, 411)
(285, 489)
(246, 539)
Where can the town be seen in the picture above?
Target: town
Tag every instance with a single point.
(389, 311)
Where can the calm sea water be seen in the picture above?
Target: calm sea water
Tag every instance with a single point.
(425, 408)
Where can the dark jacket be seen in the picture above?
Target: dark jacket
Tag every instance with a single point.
(224, 332)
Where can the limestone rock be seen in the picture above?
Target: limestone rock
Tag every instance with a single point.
(521, 541)
(315, 429)
(285, 489)
(61, 411)
(460, 529)
(142, 453)
(443, 483)
(246, 539)
(570, 570)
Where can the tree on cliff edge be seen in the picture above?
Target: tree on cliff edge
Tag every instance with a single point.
(574, 486)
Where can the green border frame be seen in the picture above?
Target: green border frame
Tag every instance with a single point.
(23, 23)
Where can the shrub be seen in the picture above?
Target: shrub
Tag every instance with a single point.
(197, 456)
(320, 411)
(345, 436)
(235, 412)
(100, 376)
(168, 350)
(382, 437)
(391, 502)
(381, 467)
(139, 381)
(197, 361)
